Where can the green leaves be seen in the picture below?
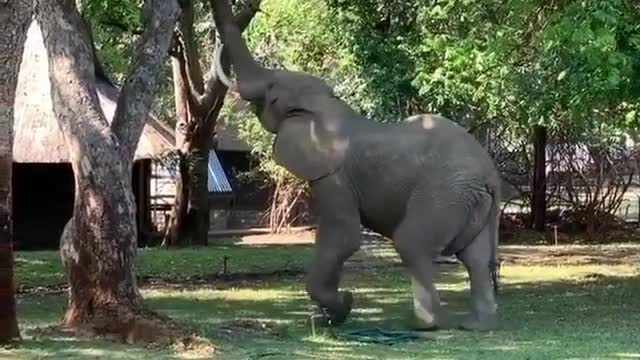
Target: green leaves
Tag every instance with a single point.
(116, 25)
(568, 65)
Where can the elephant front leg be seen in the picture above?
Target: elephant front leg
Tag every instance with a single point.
(426, 303)
(335, 242)
(337, 238)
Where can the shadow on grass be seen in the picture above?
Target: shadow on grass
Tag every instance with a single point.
(556, 319)
(594, 318)
(73, 348)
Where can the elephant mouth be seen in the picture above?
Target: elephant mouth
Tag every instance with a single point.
(296, 112)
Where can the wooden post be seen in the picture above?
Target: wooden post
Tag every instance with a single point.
(146, 186)
(539, 193)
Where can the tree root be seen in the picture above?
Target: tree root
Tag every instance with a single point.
(133, 326)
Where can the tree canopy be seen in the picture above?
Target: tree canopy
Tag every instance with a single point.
(570, 66)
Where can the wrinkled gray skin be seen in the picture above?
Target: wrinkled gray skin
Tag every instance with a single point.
(425, 183)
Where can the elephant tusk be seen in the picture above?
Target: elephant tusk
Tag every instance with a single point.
(220, 72)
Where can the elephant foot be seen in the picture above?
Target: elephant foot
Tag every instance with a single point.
(480, 322)
(422, 325)
(426, 321)
(337, 315)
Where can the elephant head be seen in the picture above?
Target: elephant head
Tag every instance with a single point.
(290, 104)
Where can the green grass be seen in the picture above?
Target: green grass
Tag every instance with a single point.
(43, 268)
(547, 312)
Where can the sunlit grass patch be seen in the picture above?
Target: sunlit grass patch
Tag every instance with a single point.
(517, 274)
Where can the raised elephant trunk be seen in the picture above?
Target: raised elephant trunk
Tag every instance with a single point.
(220, 70)
(252, 79)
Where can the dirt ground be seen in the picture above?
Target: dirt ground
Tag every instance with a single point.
(293, 238)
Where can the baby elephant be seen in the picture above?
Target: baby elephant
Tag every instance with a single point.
(426, 183)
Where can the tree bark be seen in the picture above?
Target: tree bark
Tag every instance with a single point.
(539, 191)
(98, 245)
(198, 101)
(14, 15)
(199, 191)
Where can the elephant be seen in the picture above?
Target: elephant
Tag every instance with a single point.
(425, 183)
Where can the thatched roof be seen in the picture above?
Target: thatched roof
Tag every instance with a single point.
(37, 137)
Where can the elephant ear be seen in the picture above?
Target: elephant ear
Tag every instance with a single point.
(308, 149)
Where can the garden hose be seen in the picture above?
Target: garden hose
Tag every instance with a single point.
(376, 335)
(371, 335)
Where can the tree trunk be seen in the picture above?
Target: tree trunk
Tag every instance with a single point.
(198, 100)
(14, 16)
(189, 224)
(176, 232)
(98, 245)
(539, 192)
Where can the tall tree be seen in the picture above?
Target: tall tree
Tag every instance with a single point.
(198, 100)
(14, 15)
(98, 245)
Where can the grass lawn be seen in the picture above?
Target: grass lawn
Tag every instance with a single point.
(567, 305)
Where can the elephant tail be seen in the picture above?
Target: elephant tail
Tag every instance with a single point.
(494, 225)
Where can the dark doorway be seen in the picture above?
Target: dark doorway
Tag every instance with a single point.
(42, 204)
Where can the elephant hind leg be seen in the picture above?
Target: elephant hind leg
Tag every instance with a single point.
(419, 239)
(478, 258)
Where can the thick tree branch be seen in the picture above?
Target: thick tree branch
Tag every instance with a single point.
(138, 90)
(71, 71)
(180, 54)
(213, 113)
(191, 55)
(213, 85)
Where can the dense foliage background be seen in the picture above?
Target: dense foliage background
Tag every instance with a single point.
(564, 64)
(499, 67)
(571, 66)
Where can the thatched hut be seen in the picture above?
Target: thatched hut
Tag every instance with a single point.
(43, 184)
